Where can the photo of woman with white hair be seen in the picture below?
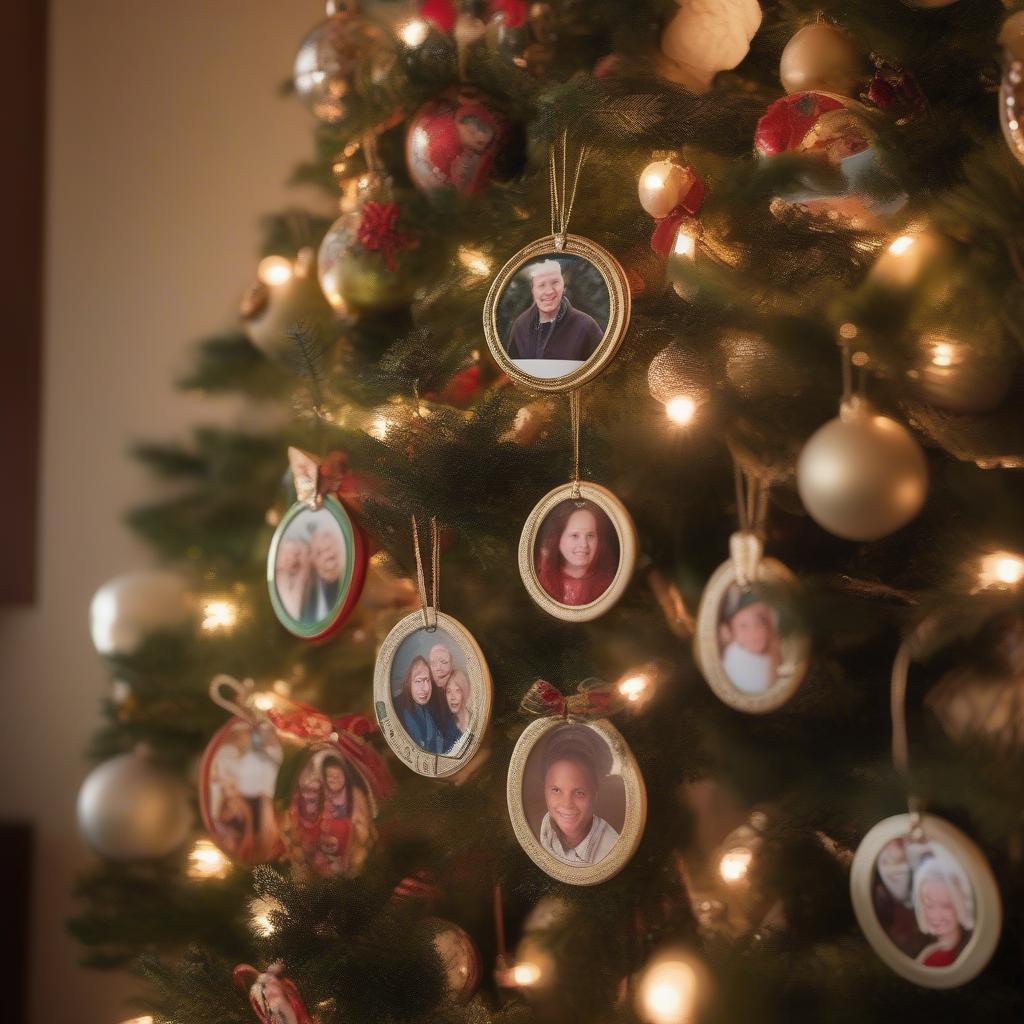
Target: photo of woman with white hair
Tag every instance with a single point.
(553, 315)
(944, 906)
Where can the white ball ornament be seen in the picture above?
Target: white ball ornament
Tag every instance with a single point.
(131, 809)
(663, 186)
(821, 57)
(125, 610)
(705, 37)
(862, 475)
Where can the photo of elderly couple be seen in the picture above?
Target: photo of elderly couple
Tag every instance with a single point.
(309, 568)
(924, 901)
(431, 691)
(553, 314)
(574, 796)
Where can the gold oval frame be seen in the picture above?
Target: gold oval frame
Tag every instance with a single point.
(434, 766)
(988, 906)
(619, 305)
(624, 529)
(636, 804)
(709, 659)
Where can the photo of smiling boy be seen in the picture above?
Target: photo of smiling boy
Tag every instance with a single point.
(571, 830)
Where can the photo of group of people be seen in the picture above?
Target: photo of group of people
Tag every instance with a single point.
(310, 567)
(924, 901)
(748, 640)
(328, 827)
(431, 691)
(576, 553)
(553, 314)
(238, 797)
(573, 795)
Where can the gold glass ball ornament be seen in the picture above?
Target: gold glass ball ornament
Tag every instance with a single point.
(131, 809)
(345, 55)
(824, 58)
(862, 475)
(965, 372)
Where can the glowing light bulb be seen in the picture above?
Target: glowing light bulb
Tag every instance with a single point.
(943, 354)
(206, 861)
(379, 427)
(274, 270)
(147, 1019)
(848, 331)
(475, 261)
(634, 687)
(526, 974)
(414, 32)
(282, 688)
(681, 409)
(685, 243)
(654, 181)
(261, 911)
(1001, 569)
(668, 990)
(900, 245)
(735, 864)
(263, 701)
(219, 614)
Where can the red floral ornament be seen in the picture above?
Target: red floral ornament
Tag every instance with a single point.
(378, 232)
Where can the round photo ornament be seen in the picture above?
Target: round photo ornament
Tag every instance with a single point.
(922, 891)
(556, 313)
(746, 643)
(316, 565)
(432, 688)
(577, 551)
(576, 797)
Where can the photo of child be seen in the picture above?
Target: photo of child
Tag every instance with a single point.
(923, 901)
(310, 568)
(576, 553)
(574, 796)
(431, 692)
(328, 827)
(239, 798)
(748, 641)
(553, 314)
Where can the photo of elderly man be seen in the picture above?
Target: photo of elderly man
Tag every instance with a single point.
(558, 311)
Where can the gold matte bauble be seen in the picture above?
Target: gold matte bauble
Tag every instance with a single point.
(968, 372)
(862, 475)
(822, 58)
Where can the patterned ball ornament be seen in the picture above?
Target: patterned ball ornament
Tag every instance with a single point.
(345, 55)
(676, 373)
(822, 57)
(456, 141)
(862, 475)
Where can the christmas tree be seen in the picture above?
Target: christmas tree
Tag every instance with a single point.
(622, 618)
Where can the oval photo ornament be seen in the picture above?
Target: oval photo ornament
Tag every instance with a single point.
(745, 643)
(576, 799)
(432, 694)
(316, 567)
(926, 900)
(555, 317)
(577, 551)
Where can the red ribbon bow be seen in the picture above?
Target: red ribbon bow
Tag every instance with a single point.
(378, 232)
(592, 700)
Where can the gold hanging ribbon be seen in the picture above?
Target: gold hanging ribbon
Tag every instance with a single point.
(575, 413)
(429, 608)
(562, 204)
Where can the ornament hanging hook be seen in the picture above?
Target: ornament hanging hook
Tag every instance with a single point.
(746, 546)
(242, 706)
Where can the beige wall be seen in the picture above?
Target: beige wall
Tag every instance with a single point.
(166, 142)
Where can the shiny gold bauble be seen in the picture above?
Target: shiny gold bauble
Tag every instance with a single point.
(862, 475)
(968, 372)
(130, 809)
(463, 965)
(822, 58)
(676, 372)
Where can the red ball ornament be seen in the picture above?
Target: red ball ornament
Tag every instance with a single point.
(454, 141)
(833, 129)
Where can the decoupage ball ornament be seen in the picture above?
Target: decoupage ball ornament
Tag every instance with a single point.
(1011, 87)
(665, 186)
(704, 37)
(369, 261)
(677, 373)
(286, 296)
(833, 129)
(126, 609)
(345, 55)
(131, 809)
(968, 373)
(862, 475)
(455, 141)
(463, 965)
(822, 57)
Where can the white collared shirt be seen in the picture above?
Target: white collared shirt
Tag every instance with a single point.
(749, 673)
(594, 847)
